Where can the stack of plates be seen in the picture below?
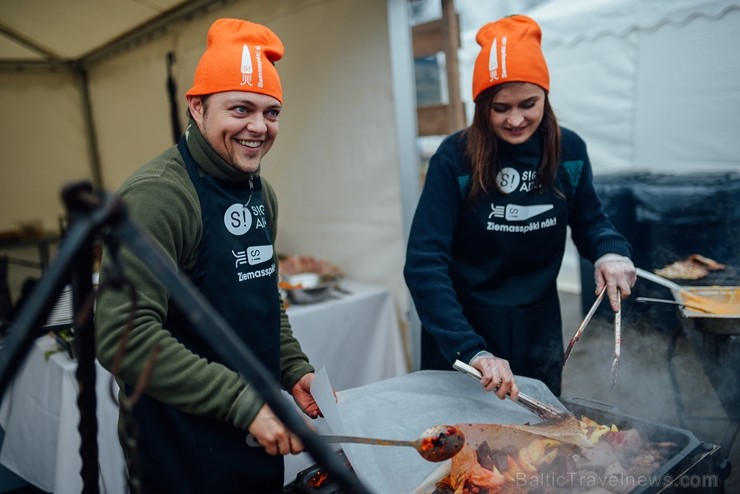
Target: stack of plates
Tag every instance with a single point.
(62, 314)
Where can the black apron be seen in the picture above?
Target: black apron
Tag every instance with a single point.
(530, 339)
(236, 272)
(516, 309)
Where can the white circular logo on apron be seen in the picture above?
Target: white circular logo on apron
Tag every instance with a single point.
(508, 180)
(237, 219)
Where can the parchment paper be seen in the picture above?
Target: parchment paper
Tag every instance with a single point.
(402, 408)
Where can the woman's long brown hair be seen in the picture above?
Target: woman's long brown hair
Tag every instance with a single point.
(483, 148)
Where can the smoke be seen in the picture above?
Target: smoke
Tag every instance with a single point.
(660, 374)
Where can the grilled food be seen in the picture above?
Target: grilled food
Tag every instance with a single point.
(506, 461)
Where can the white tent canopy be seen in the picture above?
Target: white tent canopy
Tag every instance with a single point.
(651, 86)
(45, 31)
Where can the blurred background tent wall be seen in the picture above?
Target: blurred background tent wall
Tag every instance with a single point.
(651, 86)
(336, 165)
(654, 89)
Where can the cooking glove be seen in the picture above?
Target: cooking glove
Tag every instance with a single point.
(614, 272)
(497, 375)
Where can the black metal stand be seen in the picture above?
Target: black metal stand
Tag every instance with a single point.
(91, 213)
(721, 464)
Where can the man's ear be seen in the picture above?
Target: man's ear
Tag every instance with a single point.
(196, 108)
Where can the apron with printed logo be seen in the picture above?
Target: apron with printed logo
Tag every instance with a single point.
(510, 246)
(236, 272)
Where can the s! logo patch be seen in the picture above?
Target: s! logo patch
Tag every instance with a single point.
(508, 180)
(237, 219)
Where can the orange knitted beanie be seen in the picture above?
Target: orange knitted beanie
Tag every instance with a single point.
(510, 51)
(239, 56)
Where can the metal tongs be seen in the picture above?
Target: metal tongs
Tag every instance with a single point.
(542, 410)
(617, 332)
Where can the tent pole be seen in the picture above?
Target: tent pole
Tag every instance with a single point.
(404, 99)
(451, 35)
(92, 137)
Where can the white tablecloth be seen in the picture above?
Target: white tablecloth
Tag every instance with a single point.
(40, 416)
(355, 336)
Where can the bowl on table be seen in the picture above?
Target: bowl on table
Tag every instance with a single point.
(307, 288)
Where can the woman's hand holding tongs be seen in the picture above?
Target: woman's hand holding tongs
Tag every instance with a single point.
(617, 274)
(496, 375)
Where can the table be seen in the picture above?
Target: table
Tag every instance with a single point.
(40, 416)
(354, 335)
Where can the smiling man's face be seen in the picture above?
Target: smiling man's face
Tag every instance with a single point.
(240, 126)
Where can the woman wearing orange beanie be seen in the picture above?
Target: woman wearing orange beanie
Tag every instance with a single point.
(204, 202)
(488, 235)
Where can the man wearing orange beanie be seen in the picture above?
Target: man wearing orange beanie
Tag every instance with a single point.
(488, 235)
(206, 205)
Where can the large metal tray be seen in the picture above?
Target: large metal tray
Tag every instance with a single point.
(726, 324)
(692, 458)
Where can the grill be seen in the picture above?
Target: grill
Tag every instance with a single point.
(716, 340)
(693, 468)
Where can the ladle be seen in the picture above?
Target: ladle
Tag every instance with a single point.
(438, 443)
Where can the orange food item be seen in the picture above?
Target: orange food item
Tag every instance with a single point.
(466, 469)
(727, 303)
(285, 285)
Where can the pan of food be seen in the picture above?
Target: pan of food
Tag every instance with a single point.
(710, 309)
(525, 449)
(629, 455)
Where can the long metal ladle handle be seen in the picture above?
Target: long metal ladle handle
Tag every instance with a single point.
(251, 441)
(368, 440)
